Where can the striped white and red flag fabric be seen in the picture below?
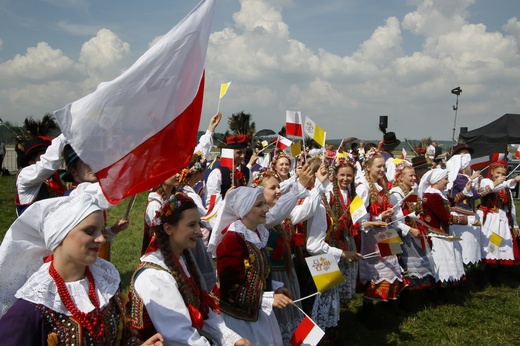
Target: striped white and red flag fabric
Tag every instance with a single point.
(139, 129)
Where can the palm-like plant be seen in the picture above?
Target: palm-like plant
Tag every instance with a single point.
(240, 124)
(43, 127)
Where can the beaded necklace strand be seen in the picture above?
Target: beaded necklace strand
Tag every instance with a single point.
(90, 321)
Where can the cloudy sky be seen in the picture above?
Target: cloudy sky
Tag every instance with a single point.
(342, 62)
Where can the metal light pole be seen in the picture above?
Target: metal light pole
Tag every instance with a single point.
(457, 91)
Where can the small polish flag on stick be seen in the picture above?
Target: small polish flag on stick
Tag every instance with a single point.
(283, 143)
(307, 333)
(227, 158)
(293, 124)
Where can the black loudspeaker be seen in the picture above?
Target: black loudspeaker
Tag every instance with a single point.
(463, 129)
(383, 121)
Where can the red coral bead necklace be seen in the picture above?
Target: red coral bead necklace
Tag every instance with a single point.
(90, 321)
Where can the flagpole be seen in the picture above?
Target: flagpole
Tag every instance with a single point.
(131, 201)
(323, 150)
(337, 151)
(267, 146)
(483, 168)
(398, 204)
(406, 140)
(371, 255)
(512, 170)
(311, 295)
(304, 150)
(303, 312)
(233, 173)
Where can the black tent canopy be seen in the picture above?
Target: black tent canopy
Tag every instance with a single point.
(495, 136)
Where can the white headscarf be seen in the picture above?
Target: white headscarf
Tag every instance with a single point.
(456, 164)
(429, 178)
(236, 205)
(34, 235)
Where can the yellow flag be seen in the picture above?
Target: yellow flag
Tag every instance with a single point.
(357, 209)
(223, 89)
(314, 131)
(495, 239)
(389, 235)
(296, 149)
(325, 271)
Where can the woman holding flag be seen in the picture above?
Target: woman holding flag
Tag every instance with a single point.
(416, 257)
(446, 251)
(498, 214)
(463, 193)
(322, 239)
(380, 271)
(279, 246)
(342, 230)
(245, 294)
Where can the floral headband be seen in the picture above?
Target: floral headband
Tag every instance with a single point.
(399, 167)
(278, 156)
(169, 206)
(200, 165)
(371, 153)
(342, 160)
(260, 175)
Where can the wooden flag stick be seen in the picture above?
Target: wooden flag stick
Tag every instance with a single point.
(131, 202)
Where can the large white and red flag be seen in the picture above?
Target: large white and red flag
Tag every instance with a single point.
(293, 124)
(139, 129)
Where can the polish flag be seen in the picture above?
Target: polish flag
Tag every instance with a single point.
(517, 154)
(479, 163)
(307, 333)
(227, 158)
(482, 162)
(283, 143)
(403, 154)
(495, 157)
(139, 129)
(293, 124)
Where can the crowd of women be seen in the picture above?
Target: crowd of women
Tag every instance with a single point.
(228, 267)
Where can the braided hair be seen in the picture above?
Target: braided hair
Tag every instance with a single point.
(197, 164)
(370, 157)
(399, 170)
(171, 213)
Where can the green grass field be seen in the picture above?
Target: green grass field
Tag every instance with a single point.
(488, 316)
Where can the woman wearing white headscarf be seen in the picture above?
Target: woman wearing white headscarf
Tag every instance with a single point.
(246, 298)
(74, 297)
(464, 191)
(447, 254)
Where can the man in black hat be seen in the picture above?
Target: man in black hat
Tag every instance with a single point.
(219, 180)
(421, 166)
(461, 149)
(390, 142)
(38, 179)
